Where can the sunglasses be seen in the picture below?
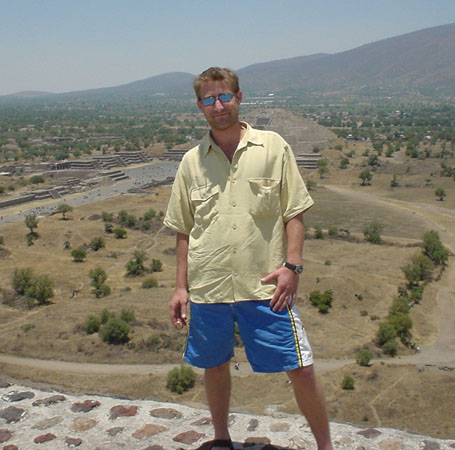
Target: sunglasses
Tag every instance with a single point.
(223, 98)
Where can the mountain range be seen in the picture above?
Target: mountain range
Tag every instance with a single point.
(422, 62)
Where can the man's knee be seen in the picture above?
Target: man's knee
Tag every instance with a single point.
(218, 370)
(304, 374)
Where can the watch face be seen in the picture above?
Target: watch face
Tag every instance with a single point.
(298, 269)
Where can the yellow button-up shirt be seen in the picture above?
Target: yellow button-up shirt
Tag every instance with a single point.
(234, 213)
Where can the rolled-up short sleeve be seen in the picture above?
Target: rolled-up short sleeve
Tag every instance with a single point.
(295, 198)
(179, 215)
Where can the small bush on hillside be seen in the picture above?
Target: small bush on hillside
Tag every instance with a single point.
(318, 233)
(323, 301)
(332, 231)
(22, 280)
(372, 232)
(78, 254)
(127, 315)
(41, 290)
(150, 282)
(385, 333)
(364, 357)
(115, 331)
(92, 324)
(390, 347)
(105, 315)
(96, 243)
(156, 266)
(119, 233)
(348, 383)
(180, 380)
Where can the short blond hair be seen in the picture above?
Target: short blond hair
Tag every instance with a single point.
(216, 74)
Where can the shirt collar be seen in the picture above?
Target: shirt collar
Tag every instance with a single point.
(251, 136)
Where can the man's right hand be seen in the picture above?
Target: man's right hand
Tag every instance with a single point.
(177, 306)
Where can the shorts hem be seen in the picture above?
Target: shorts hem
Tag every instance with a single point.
(285, 368)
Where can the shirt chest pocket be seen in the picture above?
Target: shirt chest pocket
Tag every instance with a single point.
(204, 200)
(265, 197)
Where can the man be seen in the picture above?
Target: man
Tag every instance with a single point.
(236, 205)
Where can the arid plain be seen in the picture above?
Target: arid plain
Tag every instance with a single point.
(414, 391)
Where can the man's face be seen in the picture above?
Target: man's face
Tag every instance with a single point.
(220, 116)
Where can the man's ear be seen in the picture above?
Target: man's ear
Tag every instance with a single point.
(239, 96)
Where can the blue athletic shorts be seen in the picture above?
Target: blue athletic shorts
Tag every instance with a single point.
(274, 341)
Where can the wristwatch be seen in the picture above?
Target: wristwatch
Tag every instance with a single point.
(297, 268)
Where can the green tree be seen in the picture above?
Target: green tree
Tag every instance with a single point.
(318, 233)
(96, 243)
(440, 193)
(64, 209)
(31, 222)
(107, 216)
(2, 240)
(180, 379)
(41, 289)
(323, 168)
(22, 280)
(120, 233)
(385, 333)
(78, 254)
(366, 176)
(402, 324)
(433, 248)
(99, 276)
(115, 331)
(372, 232)
(135, 266)
(364, 356)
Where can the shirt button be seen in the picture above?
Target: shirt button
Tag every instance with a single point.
(234, 227)
(233, 180)
(234, 204)
(235, 274)
(234, 250)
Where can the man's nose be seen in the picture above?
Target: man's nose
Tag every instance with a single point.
(218, 104)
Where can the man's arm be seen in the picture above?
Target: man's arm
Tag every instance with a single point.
(179, 298)
(287, 280)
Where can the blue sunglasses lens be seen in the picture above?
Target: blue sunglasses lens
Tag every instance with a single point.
(223, 98)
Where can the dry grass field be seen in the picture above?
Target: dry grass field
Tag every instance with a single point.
(364, 278)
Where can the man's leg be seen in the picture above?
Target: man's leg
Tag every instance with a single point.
(310, 399)
(218, 391)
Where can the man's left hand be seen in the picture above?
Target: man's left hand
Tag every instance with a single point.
(286, 289)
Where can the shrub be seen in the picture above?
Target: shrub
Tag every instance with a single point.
(2, 240)
(105, 315)
(347, 383)
(136, 266)
(22, 280)
(180, 380)
(78, 254)
(92, 324)
(156, 266)
(120, 233)
(41, 289)
(385, 333)
(153, 342)
(364, 357)
(318, 233)
(390, 347)
(332, 231)
(433, 248)
(150, 214)
(96, 243)
(150, 282)
(107, 216)
(108, 227)
(372, 232)
(99, 276)
(401, 322)
(323, 301)
(36, 179)
(127, 315)
(115, 331)
(399, 305)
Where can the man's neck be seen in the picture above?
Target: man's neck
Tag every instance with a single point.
(228, 140)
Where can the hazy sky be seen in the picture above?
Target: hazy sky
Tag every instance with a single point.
(67, 45)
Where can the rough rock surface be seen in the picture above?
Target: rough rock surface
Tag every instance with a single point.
(108, 423)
